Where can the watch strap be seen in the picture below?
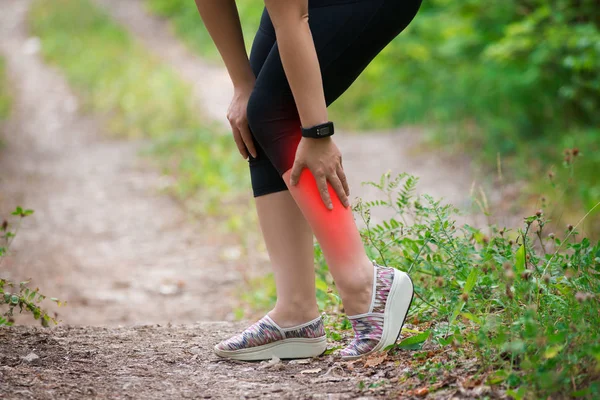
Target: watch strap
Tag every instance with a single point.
(318, 131)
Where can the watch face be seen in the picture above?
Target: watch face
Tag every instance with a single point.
(323, 131)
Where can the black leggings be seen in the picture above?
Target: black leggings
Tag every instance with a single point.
(347, 34)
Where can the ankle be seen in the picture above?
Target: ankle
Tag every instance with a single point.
(289, 315)
(357, 296)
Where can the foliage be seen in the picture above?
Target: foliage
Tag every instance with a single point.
(524, 301)
(25, 299)
(117, 77)
(4, 92)
(514, 79)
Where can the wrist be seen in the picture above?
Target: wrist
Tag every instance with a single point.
(319, 131)
(244, 86)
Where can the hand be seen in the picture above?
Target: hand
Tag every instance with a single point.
(238, 119)
(323, 158)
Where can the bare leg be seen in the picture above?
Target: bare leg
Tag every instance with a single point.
(289, 241)
(340, 240)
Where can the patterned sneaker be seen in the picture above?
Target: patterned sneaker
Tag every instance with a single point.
(381, 326)
(265, 340)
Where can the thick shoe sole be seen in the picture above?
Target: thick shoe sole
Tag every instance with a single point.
(396, 309)
(286, 348)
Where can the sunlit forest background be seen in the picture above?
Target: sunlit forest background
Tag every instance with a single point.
(512, 80)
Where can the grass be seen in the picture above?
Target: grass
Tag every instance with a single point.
(5, 99)
(141, 98)
(188, 26)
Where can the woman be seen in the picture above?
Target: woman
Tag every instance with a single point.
(306, 53)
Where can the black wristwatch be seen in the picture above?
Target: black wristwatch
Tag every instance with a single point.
(318, 131)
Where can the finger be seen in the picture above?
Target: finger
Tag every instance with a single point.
(239, 142)
(247, 138)
(296, 171)
(339, 189)
(322, 185)
(342, 177)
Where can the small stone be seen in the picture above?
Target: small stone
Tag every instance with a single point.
(31, 358)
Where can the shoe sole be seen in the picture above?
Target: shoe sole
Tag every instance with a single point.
(396, 311)
(282, 349)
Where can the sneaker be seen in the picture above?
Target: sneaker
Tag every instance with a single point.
(381, 326)
(265, 340)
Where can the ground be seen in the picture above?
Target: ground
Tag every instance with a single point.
(122, 254)
(175, 361)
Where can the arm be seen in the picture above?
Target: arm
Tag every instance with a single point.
(299, 58)
(223, 24)
(301, 65)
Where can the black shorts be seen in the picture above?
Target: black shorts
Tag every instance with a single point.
(347, 34)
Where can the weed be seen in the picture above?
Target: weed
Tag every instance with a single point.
(24, 298)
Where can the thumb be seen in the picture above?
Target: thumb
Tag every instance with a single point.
(296, 170)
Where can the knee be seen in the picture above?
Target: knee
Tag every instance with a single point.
(253, 111)
(275, 125)
(258, 113)
(270, 112)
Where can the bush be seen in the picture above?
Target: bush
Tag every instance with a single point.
(525, 300)
(25, 298)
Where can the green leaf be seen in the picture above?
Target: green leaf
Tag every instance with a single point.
(497, 377)
(457, 309)
(471, 280)
(414, 342)
(553, 351)
(446, 341)
(471, 317)
(520, 260)
(332, 349)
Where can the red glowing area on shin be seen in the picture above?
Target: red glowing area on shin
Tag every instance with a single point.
(335, 229)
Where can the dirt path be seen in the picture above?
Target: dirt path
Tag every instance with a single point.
(366, 156)
(175, 362)
(102, 236)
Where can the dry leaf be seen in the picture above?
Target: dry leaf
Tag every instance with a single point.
(275, 361)
(300, 361)
(311, 371)
(349, 364)
(374, 361)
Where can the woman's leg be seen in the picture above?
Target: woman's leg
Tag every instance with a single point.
(289, 241)
(347, 37)
(287, 234)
